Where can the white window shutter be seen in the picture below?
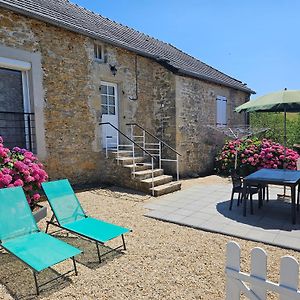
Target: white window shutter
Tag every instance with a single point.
(224, 111)
(219, 115)
(221, 111)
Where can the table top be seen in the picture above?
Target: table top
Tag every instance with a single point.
(275, 176)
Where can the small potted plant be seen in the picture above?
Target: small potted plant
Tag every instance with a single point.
(20, 167)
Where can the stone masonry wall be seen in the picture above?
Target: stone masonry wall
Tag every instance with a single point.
(72, 104)
(196, 108)
(155, 92)
(169, 106)
(68, 120)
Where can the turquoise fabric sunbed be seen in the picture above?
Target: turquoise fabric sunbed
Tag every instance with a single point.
(20, 236)
(70, 216)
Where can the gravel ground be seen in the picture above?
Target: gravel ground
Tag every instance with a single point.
(162, 261)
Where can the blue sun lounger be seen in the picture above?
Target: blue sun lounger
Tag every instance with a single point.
(70, 216)
(20, 236)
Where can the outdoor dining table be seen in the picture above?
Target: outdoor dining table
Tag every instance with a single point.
(282, 177)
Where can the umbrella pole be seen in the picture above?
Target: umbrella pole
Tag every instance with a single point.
(235, 159)
(284, 137)
(284, 143)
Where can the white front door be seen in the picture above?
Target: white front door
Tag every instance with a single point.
(109, 107)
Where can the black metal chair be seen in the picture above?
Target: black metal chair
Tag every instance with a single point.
(237, 187)
(265, 193)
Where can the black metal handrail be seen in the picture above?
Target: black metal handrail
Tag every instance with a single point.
(155, 137)
(16, 113)
(132, 141)
(25, 137)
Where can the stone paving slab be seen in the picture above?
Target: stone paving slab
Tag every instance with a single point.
(206, 207)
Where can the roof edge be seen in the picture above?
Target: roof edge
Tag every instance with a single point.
(93, 35)
(72, 28)
(207, 78)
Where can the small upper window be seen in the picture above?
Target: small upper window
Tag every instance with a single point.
(98, 52)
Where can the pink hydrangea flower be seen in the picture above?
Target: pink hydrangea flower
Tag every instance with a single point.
(254, 154)
(19, 182)
(36, 196)
(20, 167)
(6, 179)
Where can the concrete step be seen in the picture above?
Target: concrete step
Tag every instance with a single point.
(122, 153)
(129, 160)
(158, 180)
(166, 188)
(148, 173)
(139, 166)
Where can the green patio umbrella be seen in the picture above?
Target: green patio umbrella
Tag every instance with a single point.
(282, 101)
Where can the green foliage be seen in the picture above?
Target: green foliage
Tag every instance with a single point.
(275, 121)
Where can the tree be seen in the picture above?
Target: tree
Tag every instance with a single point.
(275, 123)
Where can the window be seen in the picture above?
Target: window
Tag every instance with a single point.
(98, 52)
(108, 99)
(17, 123)
(221, 115)
(21, 83)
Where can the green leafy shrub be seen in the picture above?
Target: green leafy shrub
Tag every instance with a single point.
(275, 123)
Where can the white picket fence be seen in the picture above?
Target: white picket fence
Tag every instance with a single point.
(255, 285)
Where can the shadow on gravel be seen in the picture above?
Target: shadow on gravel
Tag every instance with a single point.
(89, 257)
(19, 282)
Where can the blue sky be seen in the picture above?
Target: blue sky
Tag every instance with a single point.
(255, 41)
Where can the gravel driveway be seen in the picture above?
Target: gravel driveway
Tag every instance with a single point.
(162, 261)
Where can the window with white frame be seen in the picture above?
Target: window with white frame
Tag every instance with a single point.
(108, 99)
(98, 52)
(17, 121)
(221, 114)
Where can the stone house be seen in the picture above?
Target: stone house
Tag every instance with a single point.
(64, 69)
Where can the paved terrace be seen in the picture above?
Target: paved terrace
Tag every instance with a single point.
(206, 207)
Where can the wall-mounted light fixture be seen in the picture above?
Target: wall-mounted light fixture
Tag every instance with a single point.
(113, 69)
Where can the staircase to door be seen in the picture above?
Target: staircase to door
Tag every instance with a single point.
(141, 157)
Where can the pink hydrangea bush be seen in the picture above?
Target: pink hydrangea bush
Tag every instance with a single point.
(19, 167)
(254, 154)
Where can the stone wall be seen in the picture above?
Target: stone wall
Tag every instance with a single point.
(169, 106)
(155, 93)
(196, 108)
(66, 84)
(72, 104)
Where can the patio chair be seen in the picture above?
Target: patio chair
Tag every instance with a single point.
(70, 216)
(20, 236)
(237, 187)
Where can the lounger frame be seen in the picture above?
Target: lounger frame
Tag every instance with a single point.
(35, 272)
(53, 221)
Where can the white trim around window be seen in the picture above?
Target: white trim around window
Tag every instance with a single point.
(14, 64)
(98, 52)
(30, 65)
